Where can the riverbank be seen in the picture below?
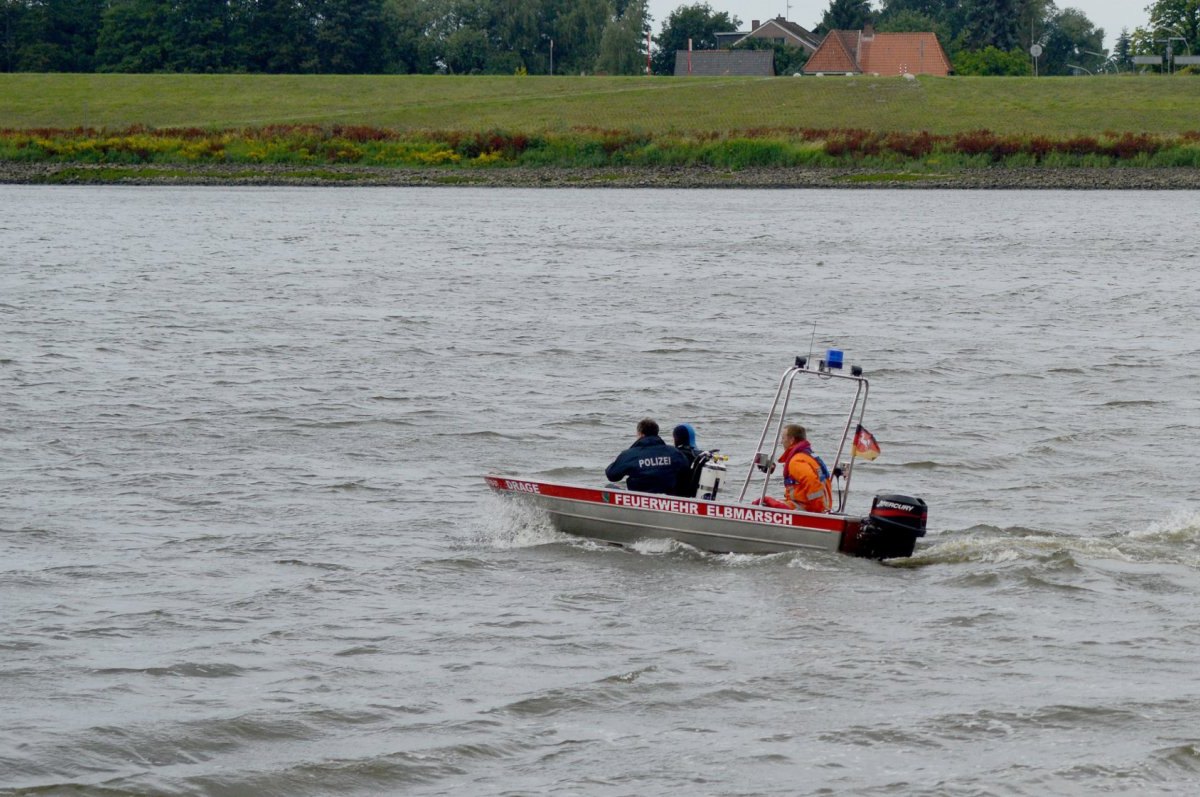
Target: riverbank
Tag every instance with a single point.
(1084, 178)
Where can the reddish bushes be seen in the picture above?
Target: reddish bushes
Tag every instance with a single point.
(760, 146)
(1130, 145)
(361, 134)
(985, 143)
(910, 145)
(472, 145)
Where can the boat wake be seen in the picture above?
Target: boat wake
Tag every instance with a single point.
(1172, 541)
(1181, 528)
(512, 524)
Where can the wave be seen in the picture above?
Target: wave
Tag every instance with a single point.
(349, 486)
(1181, 527)
(183, 670)
(317, 565)
(1173, 541)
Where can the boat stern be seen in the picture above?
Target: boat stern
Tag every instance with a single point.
(890, 531)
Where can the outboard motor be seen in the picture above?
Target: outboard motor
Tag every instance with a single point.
(892, 528)
(712, 475)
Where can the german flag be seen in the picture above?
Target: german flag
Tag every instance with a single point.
(864, 444)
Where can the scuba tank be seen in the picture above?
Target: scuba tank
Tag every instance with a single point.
(712, 475)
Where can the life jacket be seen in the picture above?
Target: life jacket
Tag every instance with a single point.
(812, 494)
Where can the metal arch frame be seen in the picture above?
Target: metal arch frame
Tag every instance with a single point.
(778, 413)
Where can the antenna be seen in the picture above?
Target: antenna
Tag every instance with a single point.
(811, 342)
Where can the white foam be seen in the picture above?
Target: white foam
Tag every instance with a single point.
(516, 524)
(661, 546)
(1182, 525)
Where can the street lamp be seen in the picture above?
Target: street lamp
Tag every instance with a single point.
(1178, 35)
(1104, 59)
(1170, 42)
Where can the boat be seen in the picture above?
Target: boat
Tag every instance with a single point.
(720, 517)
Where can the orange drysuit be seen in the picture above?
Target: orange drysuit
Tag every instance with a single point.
(805, 480)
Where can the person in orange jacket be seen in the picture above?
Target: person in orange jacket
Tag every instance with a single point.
(806, 482)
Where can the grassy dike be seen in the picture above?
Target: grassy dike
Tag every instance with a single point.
(1108, 132)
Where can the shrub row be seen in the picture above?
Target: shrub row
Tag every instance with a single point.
(759, 147)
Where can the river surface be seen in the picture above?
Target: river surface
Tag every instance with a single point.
(245, 548)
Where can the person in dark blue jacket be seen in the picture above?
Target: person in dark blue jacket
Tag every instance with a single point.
(651, 465)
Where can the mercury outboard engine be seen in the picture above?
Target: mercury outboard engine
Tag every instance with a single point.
(892, 528)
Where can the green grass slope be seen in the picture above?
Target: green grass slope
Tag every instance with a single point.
(1049, 106)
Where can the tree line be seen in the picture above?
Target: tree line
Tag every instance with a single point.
(324, 36)
(520, 36)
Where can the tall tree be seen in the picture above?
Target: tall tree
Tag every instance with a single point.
(623, 45)
(930, 8)
(167, 36)
(200, 33)
(845, 15)
(279, 37)
(135, 36)
(1141, 42)
(54, 35)
(1033, 20)
(519, 34)
(13, 15)
(697, 22)
(350, 35)
(577, 28)
(1071, 41)
(1122, 54)
(992, 22)
(413, 26)
(943, 17)
(915, 22)
(466, 51)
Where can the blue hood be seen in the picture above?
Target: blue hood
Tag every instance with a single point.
(684, 430)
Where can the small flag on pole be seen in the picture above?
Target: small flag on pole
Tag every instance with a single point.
(864, 444)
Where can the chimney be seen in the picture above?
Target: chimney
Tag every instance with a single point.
(868, 31)
(754, 24)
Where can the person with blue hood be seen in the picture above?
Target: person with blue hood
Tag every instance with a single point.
(685, 441)
(651, 465)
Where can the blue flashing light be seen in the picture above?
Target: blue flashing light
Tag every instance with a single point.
(833, 359)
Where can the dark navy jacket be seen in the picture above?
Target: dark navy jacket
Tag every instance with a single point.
(651, 465)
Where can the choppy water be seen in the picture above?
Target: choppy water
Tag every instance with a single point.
(245, 548)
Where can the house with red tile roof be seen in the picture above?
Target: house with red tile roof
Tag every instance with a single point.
(865, 52)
